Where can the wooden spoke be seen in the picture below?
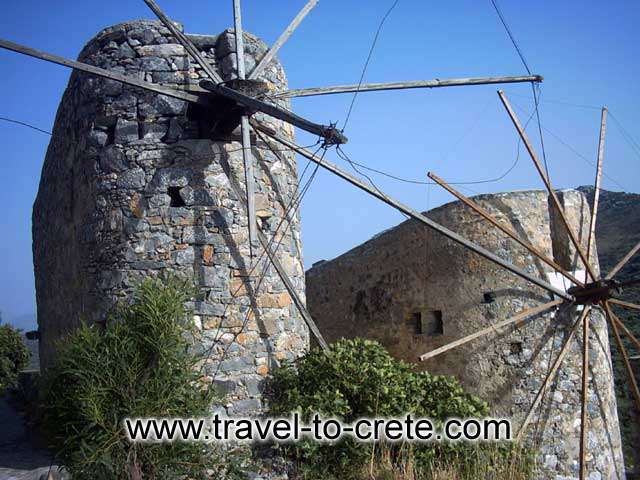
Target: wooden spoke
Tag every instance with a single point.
(624, 328)
(282, 273)
(547, 182)
(632, 306)
(101, 72)
(372, 87)
(247, 155)
(239, 35)
(413, 213)
(508, 231)
(264, 61)
(596, 186)
(306, 316)
(625, 356)
(584, 417)
(552, 373)
(184, 41)
(623, 262)
(515, 320)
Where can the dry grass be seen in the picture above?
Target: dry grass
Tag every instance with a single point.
(489, 464)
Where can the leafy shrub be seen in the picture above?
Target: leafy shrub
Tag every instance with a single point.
(358, 378)
(14, 356)
(139, 365)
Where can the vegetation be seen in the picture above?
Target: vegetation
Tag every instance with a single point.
(14, 356)
(139, 365)
(358, 378)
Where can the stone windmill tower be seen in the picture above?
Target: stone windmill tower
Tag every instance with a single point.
(137, 184)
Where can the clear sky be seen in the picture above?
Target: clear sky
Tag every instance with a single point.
(587, 51)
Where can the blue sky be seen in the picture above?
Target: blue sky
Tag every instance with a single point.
(587, 51)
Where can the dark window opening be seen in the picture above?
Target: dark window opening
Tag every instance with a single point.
(176, 198)
(111, 134)
(218, 120)
(415, 323)
(489, 297)
(516, 348)
(428, 322)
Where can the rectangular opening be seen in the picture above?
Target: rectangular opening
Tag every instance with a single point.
(426, 322)
(176, 198)
(489, 297)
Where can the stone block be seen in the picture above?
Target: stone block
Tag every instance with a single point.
(126, 131)
(216, 276)
(183, 257)
(131, 179)
(154, 64)
(165, 50)
(153, 130)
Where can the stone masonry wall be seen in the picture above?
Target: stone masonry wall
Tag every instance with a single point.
(414, 290)
(132, 188)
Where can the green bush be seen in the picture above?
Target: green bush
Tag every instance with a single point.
(139, 365)
(14, 356)
(358, 378)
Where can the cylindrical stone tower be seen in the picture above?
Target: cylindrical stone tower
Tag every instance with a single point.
(135, 184)
(415, 290)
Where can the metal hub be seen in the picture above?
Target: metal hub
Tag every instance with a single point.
(595, 292)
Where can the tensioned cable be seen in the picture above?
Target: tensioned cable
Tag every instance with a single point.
(534, 89)
(366, 63)
(286, 211)
(423, 182)
(25, 124)
(297, 201)
(576, 152)
(629, 139)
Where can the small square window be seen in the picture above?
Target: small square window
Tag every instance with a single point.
(427, 322)
(489, 297)
(176, 198)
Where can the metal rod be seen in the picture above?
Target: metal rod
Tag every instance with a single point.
(329, 133)
(623, 261)
(552, 373)
(596, 191)
(584, 397)
(101, 72)
(509, 232)
(547, 183)
(414, 214)
(633, 306)
(184, 40)
(517, 320)
(372, 87)
(264, 61)
(324, 131)
(625, 356)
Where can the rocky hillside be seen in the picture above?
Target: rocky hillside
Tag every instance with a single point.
(618, 228)
(617, 231)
